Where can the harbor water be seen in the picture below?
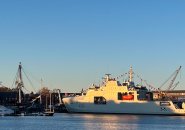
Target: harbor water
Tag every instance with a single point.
(65, 121)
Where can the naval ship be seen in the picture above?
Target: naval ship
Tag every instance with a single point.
(115, 97)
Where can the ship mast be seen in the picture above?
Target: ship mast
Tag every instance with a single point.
(19, 83)
(50, 101)
(130, 74)
(60, 101)
(41, 82)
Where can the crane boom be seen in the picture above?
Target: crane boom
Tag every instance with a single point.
(175, 85)
(172, 81)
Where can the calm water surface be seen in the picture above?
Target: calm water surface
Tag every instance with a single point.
(93, 122)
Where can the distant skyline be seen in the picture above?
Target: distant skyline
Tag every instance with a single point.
(71, 44)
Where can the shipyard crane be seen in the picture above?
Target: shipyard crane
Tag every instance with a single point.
(175, 85)
(162, 94)
(173, 77)
(172, 81)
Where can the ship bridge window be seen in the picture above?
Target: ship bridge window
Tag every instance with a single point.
(118, 83)
(119, 96)
(125, 84)
(99, 100)
(164, 104)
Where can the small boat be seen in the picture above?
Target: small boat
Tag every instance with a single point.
(128, 97)
(48, 112)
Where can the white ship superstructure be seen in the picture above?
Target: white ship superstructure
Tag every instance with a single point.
(123, 98)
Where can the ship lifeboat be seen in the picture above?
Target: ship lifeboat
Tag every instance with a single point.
(128, 97)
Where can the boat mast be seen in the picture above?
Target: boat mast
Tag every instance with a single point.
(46, 102)
(130, 74)
(50, 102)
(19, 82)
(60, 101)
(41, 83)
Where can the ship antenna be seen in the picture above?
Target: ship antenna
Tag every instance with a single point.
(107, 77)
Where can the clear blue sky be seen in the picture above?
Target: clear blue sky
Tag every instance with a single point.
(73, 43)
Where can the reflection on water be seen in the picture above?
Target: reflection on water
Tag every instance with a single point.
(110, 122)
(129, 122)
(93, 122)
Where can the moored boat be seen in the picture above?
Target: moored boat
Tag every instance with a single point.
(122, 98)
